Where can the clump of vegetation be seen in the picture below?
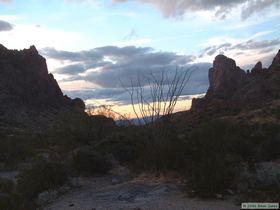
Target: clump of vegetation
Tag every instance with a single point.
(9, 199)
(6, 185)
(15, 149)
(121, 146)
(43, 175)
(88, 162)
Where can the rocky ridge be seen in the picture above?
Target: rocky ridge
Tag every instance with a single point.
(29, 95)
(231, 88)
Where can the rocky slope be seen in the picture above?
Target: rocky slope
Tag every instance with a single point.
(29, 95)
(231, 88)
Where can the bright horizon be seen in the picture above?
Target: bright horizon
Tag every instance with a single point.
(90, 45)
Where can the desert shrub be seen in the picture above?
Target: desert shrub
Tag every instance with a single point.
(72, 125)
(15, 149)
(88, 161)
(12, 201)
(212, 167)
(44, 175)
(6, 185)
(165, 154)
(73, 129)
(8, 198)
(271, 148)
(123, 145)
(102, 127)
(213, 175)
(276, 112)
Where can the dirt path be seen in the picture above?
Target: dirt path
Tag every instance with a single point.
(141, 193)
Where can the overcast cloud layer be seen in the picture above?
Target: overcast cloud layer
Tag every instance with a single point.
(221, 7)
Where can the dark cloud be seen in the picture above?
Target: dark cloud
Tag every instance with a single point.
(197, 84)
(107, 66)
(177, 8)
(70, 69)
(113, 68)
(5, 26)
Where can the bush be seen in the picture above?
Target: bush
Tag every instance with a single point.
(122, 145)
(6, 185)
(9, 199)
(15, 149)
(44, 175)
(87, 161)
(270, 148)
(165, 154)
(213, 175)
(212, 166)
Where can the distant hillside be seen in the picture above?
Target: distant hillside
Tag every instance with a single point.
(29, 95)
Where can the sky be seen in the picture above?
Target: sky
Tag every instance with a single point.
(96, 47)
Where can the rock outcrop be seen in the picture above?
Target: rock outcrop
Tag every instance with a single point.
(29, 95)
(224, 78)
(233, 89)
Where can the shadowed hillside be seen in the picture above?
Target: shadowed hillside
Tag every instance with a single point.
(29, 95)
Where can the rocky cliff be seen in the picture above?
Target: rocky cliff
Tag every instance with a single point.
(29, 95)
(231, 88)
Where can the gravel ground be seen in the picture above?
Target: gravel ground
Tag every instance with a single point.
(141, 193)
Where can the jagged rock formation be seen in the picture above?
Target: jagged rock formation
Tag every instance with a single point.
(233, 89)
(29, 95)
(224, 78)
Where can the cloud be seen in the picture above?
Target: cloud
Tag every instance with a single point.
(70, 69)
(197, 84)
(5, 26)
(256, 45)
(106, 66)
(221, 8)
(242, 47)
(112, 68)
(255, 6)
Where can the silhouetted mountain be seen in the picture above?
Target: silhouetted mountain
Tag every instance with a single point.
(29, 95)
(233, 88)
(237, 95)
